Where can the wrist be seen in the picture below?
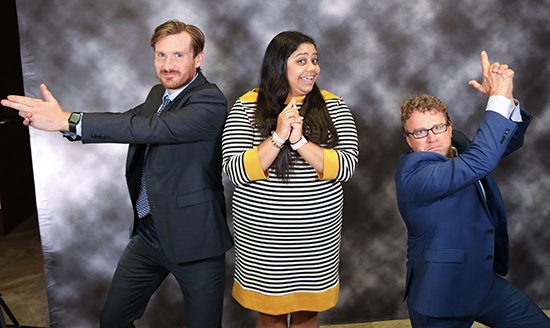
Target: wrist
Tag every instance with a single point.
(278, 138)
(299, 144)
(71, 122)
(274, 143)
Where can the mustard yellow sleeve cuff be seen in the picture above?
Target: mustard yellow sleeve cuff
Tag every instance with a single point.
(331, 165)
(253, 167)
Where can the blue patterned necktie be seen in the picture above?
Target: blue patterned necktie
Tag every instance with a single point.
(142, 205)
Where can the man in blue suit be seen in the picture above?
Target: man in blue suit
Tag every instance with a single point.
(454, 213)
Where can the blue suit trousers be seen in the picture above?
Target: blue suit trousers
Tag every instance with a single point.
(506, 307)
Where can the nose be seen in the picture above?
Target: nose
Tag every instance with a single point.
(431, 136)
(167, 63)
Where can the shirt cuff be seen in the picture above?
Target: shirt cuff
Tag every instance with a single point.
(503, 106)
(71, 136)
(79, 126)
(253, 167)
(515, 116)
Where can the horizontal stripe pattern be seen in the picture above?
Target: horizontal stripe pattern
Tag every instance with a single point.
(287, 235)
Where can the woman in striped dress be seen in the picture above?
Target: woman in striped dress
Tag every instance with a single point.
(287, 146)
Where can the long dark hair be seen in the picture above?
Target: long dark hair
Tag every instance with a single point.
(274, 89)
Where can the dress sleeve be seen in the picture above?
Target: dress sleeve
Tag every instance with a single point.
(240, 157)
(340, 163)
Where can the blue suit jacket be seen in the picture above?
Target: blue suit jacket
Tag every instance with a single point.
(456, 239)
(182, 167)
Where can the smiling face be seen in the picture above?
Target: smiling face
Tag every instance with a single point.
(302, 69)
(436, 143)
(175, 64)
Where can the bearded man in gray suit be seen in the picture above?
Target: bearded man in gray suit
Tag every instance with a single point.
(173, 172)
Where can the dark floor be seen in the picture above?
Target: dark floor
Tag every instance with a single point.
(22, 283)
(23, 287)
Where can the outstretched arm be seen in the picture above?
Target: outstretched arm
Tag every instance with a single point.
(41, 114)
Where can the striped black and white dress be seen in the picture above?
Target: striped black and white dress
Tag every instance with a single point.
(287, 234)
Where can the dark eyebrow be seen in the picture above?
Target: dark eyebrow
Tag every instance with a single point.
(306, 54)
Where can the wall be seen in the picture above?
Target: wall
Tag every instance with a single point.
(94, 56)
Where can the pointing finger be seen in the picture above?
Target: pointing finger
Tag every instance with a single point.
(484, 61)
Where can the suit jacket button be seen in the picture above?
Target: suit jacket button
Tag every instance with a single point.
(489, 257)
(490, 231)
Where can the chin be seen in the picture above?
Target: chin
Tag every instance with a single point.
(305, 92)
(173, 85)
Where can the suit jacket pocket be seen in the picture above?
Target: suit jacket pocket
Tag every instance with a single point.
(197, 197)
(450, 255)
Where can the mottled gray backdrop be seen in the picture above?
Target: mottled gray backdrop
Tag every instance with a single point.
(94, 55)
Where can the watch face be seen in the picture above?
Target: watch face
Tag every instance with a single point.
(74, 118)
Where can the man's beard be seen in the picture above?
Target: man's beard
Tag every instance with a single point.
(173, 83)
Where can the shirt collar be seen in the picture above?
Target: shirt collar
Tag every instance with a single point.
(454, 152)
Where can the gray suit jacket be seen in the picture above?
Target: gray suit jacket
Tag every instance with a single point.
(182, 167)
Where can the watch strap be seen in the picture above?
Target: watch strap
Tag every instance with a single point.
(74, 119)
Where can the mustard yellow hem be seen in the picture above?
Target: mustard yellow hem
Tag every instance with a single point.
(277, 305)
(253, 167)
(331, 165)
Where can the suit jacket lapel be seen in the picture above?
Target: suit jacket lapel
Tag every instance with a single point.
(483, 196)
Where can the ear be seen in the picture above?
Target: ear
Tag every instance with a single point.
(198, 59)
(451, 130)
(408, 140)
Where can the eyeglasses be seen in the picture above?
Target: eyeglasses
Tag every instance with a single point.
(423, 133)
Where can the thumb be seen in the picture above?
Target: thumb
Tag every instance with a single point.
(48, 97)
(475, 84)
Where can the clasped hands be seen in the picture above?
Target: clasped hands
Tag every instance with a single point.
(290, 123)
(497, 79)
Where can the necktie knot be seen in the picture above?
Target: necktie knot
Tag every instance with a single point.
(164, 105)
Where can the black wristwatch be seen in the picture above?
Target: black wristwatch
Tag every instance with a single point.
(73, 121)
